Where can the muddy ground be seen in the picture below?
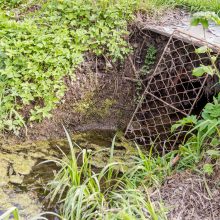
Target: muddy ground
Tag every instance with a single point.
(103, 97)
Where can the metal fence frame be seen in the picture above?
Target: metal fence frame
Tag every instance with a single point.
(145, 130)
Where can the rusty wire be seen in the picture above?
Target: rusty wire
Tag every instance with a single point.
(171, 93)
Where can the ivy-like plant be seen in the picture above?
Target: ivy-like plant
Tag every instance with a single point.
(38, 50)
(204, 18)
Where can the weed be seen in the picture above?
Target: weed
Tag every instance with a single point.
(198, 5)
(150, 169)
(104, 194)
(149, 61)
(38, 51)
(12, 211)
(205, 132)
(192, 5)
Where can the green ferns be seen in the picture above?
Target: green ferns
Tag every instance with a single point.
(39, 50)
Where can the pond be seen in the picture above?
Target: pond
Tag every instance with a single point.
(23, 176)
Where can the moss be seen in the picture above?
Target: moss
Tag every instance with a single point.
(20, 164)
(105, 107)
(4, 180)
(88, 106)
(84, 105)
(16, 179)
(26, 202)
(19, 161)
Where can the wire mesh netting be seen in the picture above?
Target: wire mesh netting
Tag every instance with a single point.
(171, 93)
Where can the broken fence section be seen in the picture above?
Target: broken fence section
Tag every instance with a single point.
(172, 92)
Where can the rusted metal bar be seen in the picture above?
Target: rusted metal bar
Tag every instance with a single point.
(172, 92)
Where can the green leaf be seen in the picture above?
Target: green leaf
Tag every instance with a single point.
(203, 49)
(213, 59)
(192, 119)
(205, 23)
(200, 71)
(204, 18)
(208, 168)
(195, 21)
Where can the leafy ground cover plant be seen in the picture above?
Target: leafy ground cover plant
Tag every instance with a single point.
(39, 50)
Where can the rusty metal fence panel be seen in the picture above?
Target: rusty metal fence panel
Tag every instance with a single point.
(171, 92)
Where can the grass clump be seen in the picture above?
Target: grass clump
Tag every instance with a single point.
(156, 6)
(83, 193)
(199, 5)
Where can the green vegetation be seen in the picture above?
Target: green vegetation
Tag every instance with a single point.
(39, 50)
(85, 193)
(199, 5)
(192, 5)
(13, 212)
(41, 46)
(88, 106)
(201, 141)
(149, 61)
(203, 138)
(204, 18)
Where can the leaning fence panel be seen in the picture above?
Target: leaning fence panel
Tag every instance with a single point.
(172, 92)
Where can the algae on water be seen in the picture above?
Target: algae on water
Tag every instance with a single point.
(19, 161)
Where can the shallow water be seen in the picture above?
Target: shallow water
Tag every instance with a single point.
(23, 179)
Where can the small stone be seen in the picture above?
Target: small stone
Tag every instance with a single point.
(23, 165)
(17, 179)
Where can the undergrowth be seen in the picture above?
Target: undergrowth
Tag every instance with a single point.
(42, 43)
(83, 192)
(38, 50)
(192, 5)
(203, 139)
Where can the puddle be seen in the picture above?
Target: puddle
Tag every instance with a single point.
(23, 180)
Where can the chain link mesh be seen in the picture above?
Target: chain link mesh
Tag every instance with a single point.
(171, 93)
